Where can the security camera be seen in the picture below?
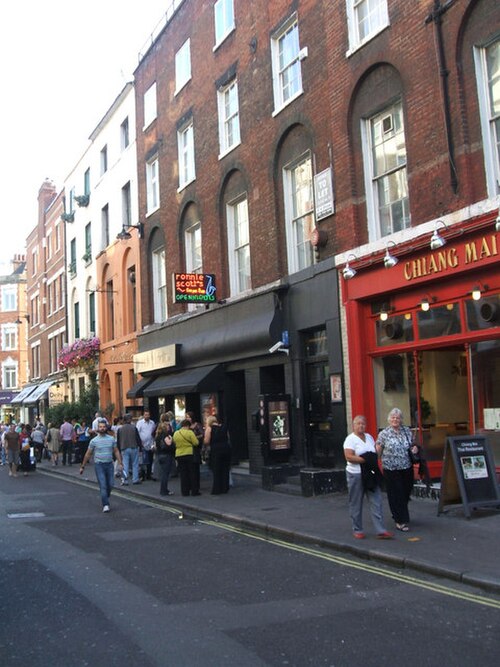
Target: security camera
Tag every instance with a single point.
(276, 347)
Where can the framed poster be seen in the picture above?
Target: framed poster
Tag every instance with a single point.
(336, 388)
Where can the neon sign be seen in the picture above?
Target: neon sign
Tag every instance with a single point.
(195, 288)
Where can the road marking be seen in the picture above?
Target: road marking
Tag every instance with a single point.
(26, 515)
(364, 567)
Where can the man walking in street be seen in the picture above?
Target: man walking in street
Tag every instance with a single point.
(12, 447)
(129, 443)
(146, 428)
(67, 433)
(103, 446)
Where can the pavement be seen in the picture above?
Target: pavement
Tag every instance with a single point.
(449, 545)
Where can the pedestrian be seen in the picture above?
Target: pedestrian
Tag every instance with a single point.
(165, 452)
(185, 443)
(67, 433)
(363, 479)
(217, 438)
(25, 449)
(129, 444)
(198, 430)
(12, 447)
(103, 446)
(38, 440)
(393, 446)
(82, 440)
(147, 427)
(53, 442)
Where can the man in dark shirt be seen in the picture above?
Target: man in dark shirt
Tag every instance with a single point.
(11, 443)
(129, 443)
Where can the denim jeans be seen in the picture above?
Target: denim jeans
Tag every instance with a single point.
(105, 473)
(165, 462)
(130, 457)
(356, 495)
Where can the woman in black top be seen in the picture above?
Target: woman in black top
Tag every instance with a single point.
(216, 437)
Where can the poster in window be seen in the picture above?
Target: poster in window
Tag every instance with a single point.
(336, 388)
(279, 425)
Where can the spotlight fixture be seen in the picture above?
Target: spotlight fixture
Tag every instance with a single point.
(384, 313)
(437, 241)
(476, 291)
(348, 272)
(497, 222)
(125, 235)
(425, 303)
(390, 260)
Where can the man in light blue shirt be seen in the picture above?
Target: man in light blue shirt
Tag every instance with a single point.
(103, 446)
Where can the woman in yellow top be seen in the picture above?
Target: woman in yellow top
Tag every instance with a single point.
(185, 445)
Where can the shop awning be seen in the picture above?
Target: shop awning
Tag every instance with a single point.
(205, 378)
(24, 393)
(6, 397)
(40, 390)
(137, 391)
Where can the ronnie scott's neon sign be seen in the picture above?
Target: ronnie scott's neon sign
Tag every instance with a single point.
(451, 258)
(195, 287)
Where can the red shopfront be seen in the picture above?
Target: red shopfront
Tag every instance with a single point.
(419, 341)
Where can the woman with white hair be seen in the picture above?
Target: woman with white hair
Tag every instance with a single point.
(393, 446)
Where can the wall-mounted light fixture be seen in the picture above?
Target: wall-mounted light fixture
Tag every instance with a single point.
(384, 312)
(477, 291)
(438, 241)
(497, 222)
(125, 235)
(425, 303)
(390, 260)
(348, 272)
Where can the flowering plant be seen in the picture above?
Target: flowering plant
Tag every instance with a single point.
(83, 353)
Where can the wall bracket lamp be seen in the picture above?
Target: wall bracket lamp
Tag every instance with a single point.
(348, 272)
(497, 222)
(476, 292)
(425, 303)
(390, 260)
(385, 312)
(125, 235)
(437, 241)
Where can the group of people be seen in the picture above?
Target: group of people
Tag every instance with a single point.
(394, 449)
(167, 447)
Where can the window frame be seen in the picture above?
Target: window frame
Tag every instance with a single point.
(183, 66)
(159, 284)
(225, 120)
(372, 180)
(152, 185)
(488, 131)
(150, 105)
(232, 217)
(279, 101)
(355, 41)
(9, 298)
(291, 219)
(227, 20)
(9, 337)
(186, 157)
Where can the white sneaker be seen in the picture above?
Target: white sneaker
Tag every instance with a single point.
(105, 508)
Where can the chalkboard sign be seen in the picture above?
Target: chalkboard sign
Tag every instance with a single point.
(469, 474)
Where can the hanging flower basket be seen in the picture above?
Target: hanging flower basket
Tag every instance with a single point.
(82, 354)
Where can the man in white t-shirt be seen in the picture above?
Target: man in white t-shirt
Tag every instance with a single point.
(356, 445)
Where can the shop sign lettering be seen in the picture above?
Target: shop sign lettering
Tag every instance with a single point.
(451, 258)
(195, 287)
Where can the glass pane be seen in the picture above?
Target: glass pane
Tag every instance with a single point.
(485, 363)
(316, 344)
(483, 314)
(439, 321)
(394, 330)
(493, 66)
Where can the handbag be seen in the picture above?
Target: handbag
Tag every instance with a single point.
(414, 457)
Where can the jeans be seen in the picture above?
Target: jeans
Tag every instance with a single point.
(130, 457)
(356, 495)
(105, 473)
(166, 462)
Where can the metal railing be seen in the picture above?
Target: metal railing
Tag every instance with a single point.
(165, 20)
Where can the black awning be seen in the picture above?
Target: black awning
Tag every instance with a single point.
(205, 378)
(137, 391)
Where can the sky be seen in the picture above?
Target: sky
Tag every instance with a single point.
(63, 62)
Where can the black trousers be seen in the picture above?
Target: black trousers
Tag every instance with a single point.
(220, 461)
(399, 484)
(189, 475)
(67, 452)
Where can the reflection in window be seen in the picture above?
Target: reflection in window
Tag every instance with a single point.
(483, 314)
(395, 330)
(439, 321)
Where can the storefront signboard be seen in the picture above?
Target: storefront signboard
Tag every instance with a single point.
(194, 288)
(469, 474)
(156, 359)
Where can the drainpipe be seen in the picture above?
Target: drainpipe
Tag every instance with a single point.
(436, 17)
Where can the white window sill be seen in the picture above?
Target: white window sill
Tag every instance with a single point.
(221, 41)
(153, 210)
(228, 150)
(355, 47)
(287, 103)
(182, 86)
(184, 185)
